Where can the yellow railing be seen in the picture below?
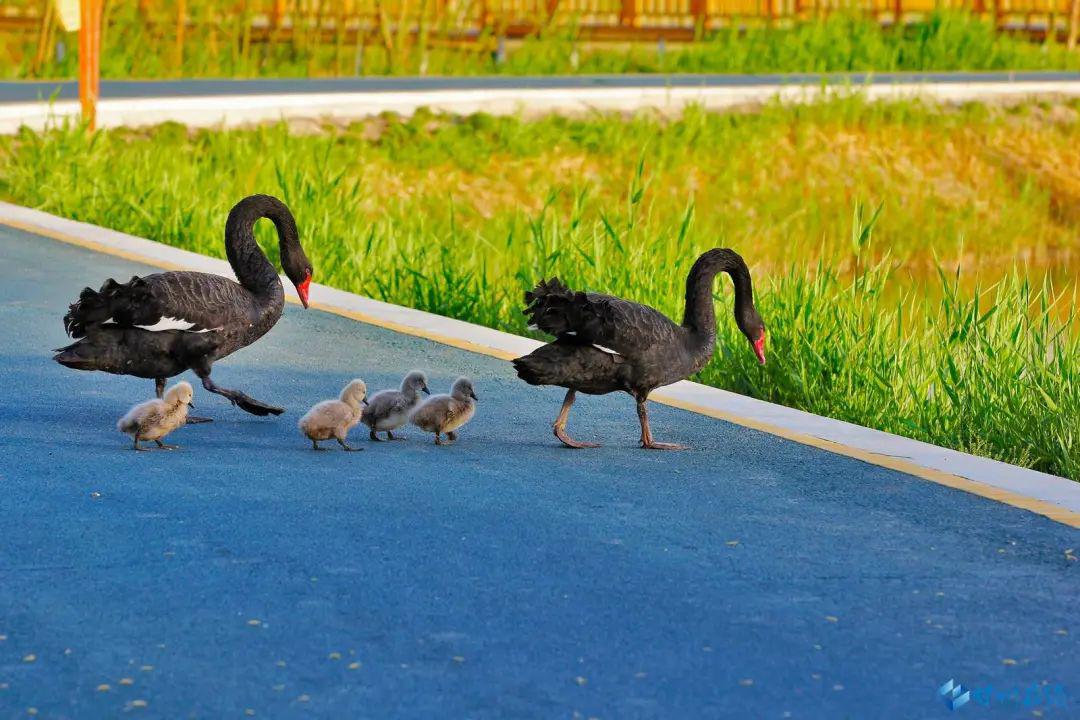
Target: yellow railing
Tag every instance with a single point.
(601, 18)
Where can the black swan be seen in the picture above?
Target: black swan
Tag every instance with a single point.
(604, 343)
(160, 325)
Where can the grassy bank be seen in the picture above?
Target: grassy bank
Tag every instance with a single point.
(839, 43)
(460, 215)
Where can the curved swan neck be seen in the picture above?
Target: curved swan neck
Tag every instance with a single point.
(700, 316)
(253, 269)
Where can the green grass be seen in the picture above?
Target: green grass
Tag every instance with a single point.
(838, 43)
(460, 215)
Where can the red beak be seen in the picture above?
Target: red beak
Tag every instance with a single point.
(302, 290)
(759, 348)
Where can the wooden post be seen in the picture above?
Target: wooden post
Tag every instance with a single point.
(898, 14)
(90, 60)
(628, 13)
(313, 55)
(339, 39)
(1074, 24)
(277, 19)
(45, 35)
(211, 22)
(181, 30)
(277, 14)
(699, 9)
(245, 35)
(358, 53)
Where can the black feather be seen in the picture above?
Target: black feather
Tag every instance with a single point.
(126, 305)
(604, 343)
(162, 324)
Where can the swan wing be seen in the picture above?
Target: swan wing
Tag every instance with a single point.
(328, 414)
(610, 323)
(182, 301)
(143, 415)
(385, 403)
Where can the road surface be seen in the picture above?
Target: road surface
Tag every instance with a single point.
(29, 91)
(240, 103)
(750, 577)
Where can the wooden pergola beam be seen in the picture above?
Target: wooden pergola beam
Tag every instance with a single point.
(90, 59)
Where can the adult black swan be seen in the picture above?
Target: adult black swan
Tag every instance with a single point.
(603, 343)
(160, 325)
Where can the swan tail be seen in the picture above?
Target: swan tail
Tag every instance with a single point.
(130, 422)
(529, 370)
(105, 350)
(547, 365)
(82, 355)
(568, 364)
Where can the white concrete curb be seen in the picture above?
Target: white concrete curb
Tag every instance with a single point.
(237, 110)
(1060, 492)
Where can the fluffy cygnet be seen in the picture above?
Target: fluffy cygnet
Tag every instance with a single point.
(334, 418)
(388, 410)
(154, 419)
(446, 413)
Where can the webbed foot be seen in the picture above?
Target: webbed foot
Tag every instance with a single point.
(570, 442)
(655, 445)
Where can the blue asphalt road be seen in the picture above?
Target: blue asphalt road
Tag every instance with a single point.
(20, 91)
(503, 577)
